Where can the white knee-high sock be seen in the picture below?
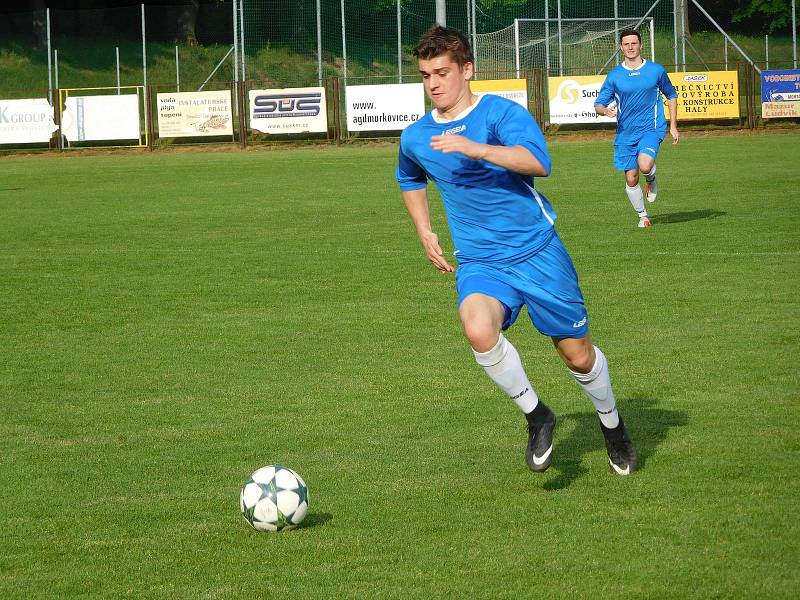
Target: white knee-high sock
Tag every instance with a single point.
(597, 385)
(637, 199)
(652, 174)
(503, 365)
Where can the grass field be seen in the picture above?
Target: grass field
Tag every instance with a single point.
(172, 321)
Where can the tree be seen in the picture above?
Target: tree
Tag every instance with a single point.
(187, 22)
(773, 15)
(39, 22)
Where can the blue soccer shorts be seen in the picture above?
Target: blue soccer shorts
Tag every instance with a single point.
(626, 155)
(546, 283)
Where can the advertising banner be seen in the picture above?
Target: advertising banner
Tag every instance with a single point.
(572, 99)
(513, 89)
(289, 110)
(113, 117)
(780, 94)
(387, 107)
(192, 114)
(706, 95)
(26, 121)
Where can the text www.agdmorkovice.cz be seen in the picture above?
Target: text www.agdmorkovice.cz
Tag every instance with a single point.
(381, 118)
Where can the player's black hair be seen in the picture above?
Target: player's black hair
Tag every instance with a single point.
(439, 40)
(627, 32)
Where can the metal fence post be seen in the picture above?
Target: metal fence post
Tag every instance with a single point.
(344, 46)
(399, 45)
(794, 36)
(560, 48)
(242, 52)
(49, 65)
(319, 44)
(547, 35)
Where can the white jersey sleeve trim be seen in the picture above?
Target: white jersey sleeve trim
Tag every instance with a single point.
(538, 199)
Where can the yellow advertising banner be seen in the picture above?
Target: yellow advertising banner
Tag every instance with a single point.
(706, 95)
(572, 99)
(513, 89)
(779, 110)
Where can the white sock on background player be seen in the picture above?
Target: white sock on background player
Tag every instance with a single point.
(636, 197)
(651, 175)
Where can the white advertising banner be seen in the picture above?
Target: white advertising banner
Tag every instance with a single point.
(26, 121)
(192, 114)
(387, 107)
(112, 117)
(572, 99)
(289, 110)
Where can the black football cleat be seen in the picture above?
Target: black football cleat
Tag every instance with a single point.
(621, 453)
(541, 423)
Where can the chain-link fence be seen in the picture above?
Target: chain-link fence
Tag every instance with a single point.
(305, 41)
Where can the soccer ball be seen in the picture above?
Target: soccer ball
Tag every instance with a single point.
(275, 498)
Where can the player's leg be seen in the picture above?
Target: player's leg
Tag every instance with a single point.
(635, 196)
(589, 367)
(625, 159)
(484, 317)
(646, 161)
(555, 305)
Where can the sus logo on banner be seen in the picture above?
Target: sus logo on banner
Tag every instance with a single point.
(289, 110)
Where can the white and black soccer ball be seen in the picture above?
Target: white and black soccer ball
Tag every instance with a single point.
(275, 498)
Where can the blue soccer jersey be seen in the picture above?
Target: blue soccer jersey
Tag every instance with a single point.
(495, 215)
(637, 93)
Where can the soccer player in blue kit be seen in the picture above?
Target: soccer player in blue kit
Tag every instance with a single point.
(632, 93)
(483, 154)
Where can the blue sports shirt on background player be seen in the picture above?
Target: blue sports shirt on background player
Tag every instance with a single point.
(638, 96)
(494, 214)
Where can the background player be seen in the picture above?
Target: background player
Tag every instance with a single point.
(482, 153)
(632, 92)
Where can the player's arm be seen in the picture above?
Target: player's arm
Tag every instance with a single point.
(666, 87)
(604, 105)
(514, 158)
(672, 103)
(417, 205)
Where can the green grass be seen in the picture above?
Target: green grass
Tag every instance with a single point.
(171, 322)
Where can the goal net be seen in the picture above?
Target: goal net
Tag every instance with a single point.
(560, 46)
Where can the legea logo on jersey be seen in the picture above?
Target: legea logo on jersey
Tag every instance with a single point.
(569, 91)
(287, 105)
(455, 130)
(694, 78)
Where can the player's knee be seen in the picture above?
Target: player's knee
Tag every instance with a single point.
(632, 179)
(580, 360)
(482, 335)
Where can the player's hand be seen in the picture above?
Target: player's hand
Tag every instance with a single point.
(673, 131)
(458, 143)
(611, 111)
(434, 252)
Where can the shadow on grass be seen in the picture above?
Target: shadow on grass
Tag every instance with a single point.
(683, 217)
(316, 519)
(647, 425)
